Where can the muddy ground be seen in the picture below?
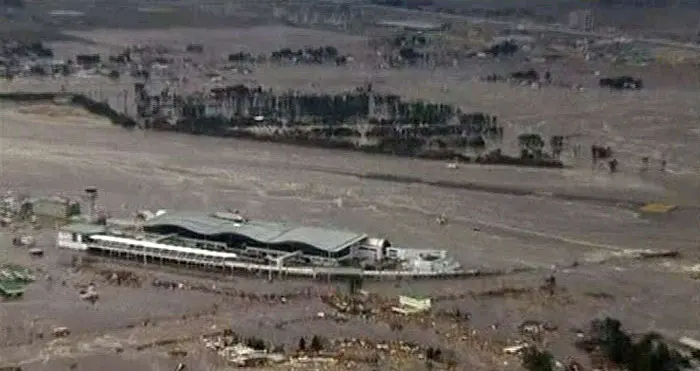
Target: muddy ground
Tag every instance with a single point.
(583, 222)
(660, 122)
(48, 150)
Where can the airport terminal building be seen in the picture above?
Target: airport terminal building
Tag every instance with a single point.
(229, 235)
(233, 233)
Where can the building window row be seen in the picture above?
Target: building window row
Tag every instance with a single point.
(156, 251)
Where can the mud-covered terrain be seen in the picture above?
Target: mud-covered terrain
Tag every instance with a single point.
(49, 149)
(582, 223)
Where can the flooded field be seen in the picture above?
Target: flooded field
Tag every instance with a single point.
(49, 150)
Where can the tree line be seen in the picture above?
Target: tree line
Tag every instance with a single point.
(610, 347)
(239, 103)
(362, 118)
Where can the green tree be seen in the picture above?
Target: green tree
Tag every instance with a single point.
(537, 360)
(652, 354)
(256, 343)
(556, 143)
(531, 144)
(615, 344)
(316, 344)
(330, 51)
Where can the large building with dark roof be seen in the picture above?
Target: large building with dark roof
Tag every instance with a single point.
(231, 232)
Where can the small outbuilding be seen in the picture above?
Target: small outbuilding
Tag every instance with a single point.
(76, 236)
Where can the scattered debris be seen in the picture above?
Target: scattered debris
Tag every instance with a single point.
(515, 349)
(657, 208)
(90, 294)
(253, 353)
(690, 343)
(535, 328)
(599, 295)
(409, 305)
(177, 353)
(121, 277)
(507, 291)
(659, 254)
(620, 83)
(23, 241)
(60, 332)
(550, 284)
(37, 252)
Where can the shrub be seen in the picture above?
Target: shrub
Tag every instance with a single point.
(537, 360)
(650, 353)
(316, 344)
(256, 343)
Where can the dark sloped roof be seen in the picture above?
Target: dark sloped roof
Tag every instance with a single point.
(264, 232)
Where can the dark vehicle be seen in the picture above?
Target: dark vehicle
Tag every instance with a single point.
(621, 83)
